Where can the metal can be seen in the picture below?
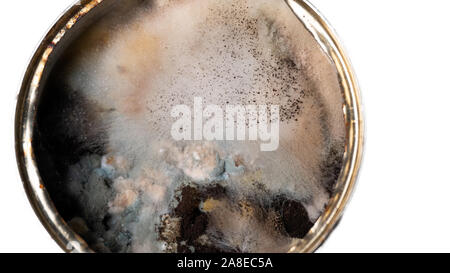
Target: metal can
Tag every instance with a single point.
(80, 16)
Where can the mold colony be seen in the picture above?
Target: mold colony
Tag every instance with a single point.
(103, 132)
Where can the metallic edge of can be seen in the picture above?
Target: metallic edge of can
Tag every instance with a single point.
(28, 99)
(352, 107)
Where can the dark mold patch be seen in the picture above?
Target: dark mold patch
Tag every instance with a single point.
(288, 217)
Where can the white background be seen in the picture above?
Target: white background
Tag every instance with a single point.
(401, 53)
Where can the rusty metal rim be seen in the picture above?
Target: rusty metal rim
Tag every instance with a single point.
(28, 99)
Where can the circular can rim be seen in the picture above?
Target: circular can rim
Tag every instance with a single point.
(28, 99)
